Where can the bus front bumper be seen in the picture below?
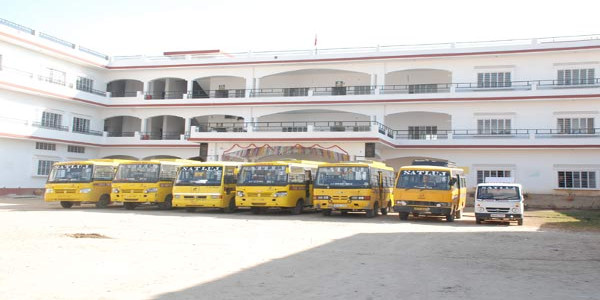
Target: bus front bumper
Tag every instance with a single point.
(346, 205)
(423, 210)
(264, 202)
(135, 197)
(72, 197)
(182, 201)
(499, 216)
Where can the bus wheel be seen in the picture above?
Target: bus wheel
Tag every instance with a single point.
(66, 204)
(478, 221)
(373, 212)
(520, 222)
(103, 202)
(458, 214)
(296, 210)
(327, 212)
(168, 204)
(231, 207)
(403, 216)
(190, 209)
(129, 205)
(450, 217)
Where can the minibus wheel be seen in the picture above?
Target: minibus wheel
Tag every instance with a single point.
(296, 210)
(384, 210)
(103, 202)
(373, 212)
(168, 204)
(520, 222)
(403, 216)
(66, 204)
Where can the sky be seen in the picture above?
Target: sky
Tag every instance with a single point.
(151, 27)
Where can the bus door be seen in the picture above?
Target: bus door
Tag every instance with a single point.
(308, 180)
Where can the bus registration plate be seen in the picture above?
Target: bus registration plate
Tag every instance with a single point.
(497, 215)
(421, 208)
(339, 205)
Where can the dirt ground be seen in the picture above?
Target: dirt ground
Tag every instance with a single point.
(86, 253)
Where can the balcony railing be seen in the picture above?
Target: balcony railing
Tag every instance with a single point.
(120, 134)
(51, 80)
(91, 91)
(50, 126)
(164, 95)
(416, 88)
(88, 132)
(121, 94)
(17, 26)
(292, 126)
(57, 40)
(160, 135)
(233, 93)
(494, 134)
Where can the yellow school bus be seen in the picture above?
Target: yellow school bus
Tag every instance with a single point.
(354, 186)
(429, 188)
(149, 181)
(76, 182)
(278, 184)
(208, 184)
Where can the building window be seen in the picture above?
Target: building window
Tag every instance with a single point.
(576, 76)
(75, 149)
(422, 132)
(494, 79)
(493, 126)
(84, 84)
(422, 88)
(483, 174)
(577, 179)
(81, 124)
(575, 125)
(51, 120)
(45, 146)
(44, 167)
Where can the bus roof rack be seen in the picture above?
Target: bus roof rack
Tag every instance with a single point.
(430, 162)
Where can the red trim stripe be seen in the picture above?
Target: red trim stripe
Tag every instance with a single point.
(31, 137)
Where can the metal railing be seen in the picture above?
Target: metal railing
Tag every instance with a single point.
(91, 91)
(343, 90)
(57, 40)
(416, 88)
(441, 134)
(164, 95)
(232, 93)
(50, 126)
(152, 135)
(276, 54)
(17, 26)
(51, 80)
(93, 52)
(88, 132)
(121, 94)
(120, 134)
(567, 83)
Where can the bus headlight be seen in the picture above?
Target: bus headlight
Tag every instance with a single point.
(322, 197)
(49, 191)
(403, 203)
(515, 209)
(85, 191)
(480, 209)
(240, 194)
(280, 194)
(151, 190)
(115, 191)
(360, 197)
(177, 196)
(215, 196)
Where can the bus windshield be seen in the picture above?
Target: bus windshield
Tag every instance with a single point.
(424, 179)
(137, 173)
(71, 173)
(200, 175)
(498, 193)
(263, 175)
(342, 177)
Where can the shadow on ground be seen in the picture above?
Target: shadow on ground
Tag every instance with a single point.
(490, 265)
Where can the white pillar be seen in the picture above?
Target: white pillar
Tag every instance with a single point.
(249, 85)
(144, 126)
(190, 89)
(165, 125)
(188, 123)
(167, 89)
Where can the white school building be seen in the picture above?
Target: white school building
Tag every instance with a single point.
(526, 109)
